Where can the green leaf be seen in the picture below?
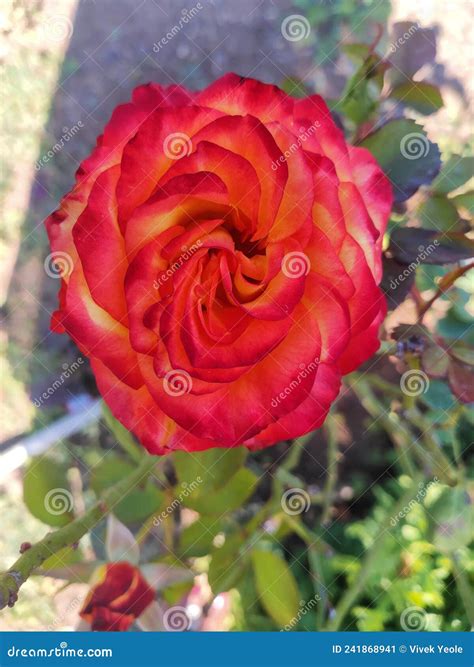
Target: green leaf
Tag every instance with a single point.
(227, 564)
(462, 352)
(438, 396)
(405, 154)
(122, 435)
(276, 587)
(455, 172)
(438, 212)
(356, 52)
(361, 96)
(414, 246)
(295, 87)
(423, 97)
(226, 499)
(136, 505)
(465, 201)
(435, 361)
(46, 491)
(196, 540)
(211, 469)
(64, 557)
(453, 513)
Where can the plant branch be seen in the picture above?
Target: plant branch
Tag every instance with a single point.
(445, 283)
(34, 557)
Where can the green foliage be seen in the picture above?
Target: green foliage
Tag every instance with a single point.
(138, 503)
(455, 172)
(422, 97)
(394, 145)
(46, 491)
(276, 587)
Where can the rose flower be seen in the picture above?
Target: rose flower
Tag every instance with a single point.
(223, 259)
(119, 596)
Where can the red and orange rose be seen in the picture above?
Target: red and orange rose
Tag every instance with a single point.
(226, 254)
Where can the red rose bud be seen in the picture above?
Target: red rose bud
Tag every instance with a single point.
(117, 599)
(220, 256)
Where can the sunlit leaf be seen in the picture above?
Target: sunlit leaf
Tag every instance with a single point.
(226, 499)
(423, 97)
(227, 564)
(455, 172)
(46, 491)
(210, 469)
(276, 587)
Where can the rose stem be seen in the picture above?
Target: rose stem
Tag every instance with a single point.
(12, 580)
(330, 428)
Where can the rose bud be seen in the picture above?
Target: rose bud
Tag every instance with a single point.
(118, 597)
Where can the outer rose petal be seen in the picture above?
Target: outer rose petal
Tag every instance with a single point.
(181, 266)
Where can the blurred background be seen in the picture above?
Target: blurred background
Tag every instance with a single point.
(65, 65)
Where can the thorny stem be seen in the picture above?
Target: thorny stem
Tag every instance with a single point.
(34, 557)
